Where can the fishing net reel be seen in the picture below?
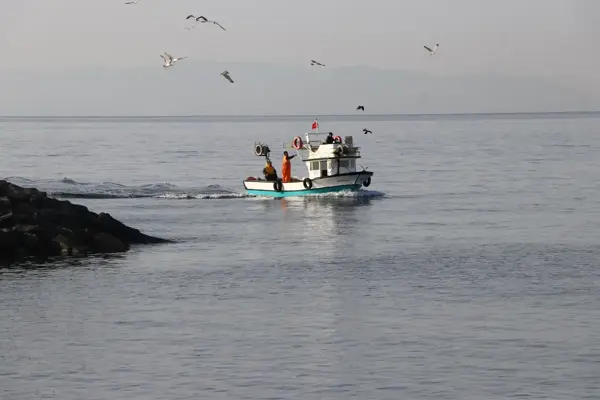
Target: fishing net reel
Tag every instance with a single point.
(261, 150)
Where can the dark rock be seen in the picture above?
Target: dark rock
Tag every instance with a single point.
(26, 228)
(106, 223)
(23, 208)
(4, 204)
(106, 243)
(13, 192)
(35, 225)
(31, 242)
(9, 243)
(66, 245)
(6, 220)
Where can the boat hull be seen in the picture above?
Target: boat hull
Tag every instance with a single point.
(330, 184)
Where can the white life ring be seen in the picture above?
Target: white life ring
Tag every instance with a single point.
(297, 143)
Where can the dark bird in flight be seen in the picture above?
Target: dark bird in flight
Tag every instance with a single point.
(361, 108)
(366, 131)
(225, 74)
(313, 62)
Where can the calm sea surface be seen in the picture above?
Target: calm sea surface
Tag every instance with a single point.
(469, 269)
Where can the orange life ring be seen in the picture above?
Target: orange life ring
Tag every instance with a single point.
(337, 139)
(297, 143)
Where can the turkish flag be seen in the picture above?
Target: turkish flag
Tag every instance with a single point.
(315, 125)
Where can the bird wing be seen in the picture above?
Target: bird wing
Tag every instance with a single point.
(225, 75)
(189, 16)
(201, 18)
(170, 57)
(216, 23)
(164, 57)
(428, 49)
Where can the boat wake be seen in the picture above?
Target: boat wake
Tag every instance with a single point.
(70, 189)
(67, 188)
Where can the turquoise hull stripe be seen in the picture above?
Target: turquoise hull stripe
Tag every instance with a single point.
(293, 193)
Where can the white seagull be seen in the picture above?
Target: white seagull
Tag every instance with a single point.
(225, 74)
(133, 2)
(203, 20)
(169, 60)
(431, 52)
(313, 62)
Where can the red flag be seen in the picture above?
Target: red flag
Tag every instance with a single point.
(315, 125)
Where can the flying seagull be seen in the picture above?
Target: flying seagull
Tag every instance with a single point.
(169, 60)
(313, 62)
(366, 131)
(431, 52)
(193, 17)
(133, 2)
(360, 108)
(203, 20)
(226, 76)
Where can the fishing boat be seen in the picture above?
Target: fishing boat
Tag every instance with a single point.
(331, 168)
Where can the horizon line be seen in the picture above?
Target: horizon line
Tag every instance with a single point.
(310, 116)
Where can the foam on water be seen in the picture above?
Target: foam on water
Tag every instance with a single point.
(69, 188)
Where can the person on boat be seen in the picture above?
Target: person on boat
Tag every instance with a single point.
(270, 172)
(286, 167)
(329, 139)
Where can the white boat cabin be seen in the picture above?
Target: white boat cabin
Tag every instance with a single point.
(324, 159)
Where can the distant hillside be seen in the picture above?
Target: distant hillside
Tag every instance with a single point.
(195, 88)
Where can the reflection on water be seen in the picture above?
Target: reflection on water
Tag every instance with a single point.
(334, 217)
(39, 268)
(327, 225)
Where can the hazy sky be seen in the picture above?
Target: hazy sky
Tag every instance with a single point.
(546, 38)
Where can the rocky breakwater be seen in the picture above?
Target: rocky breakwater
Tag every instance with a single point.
(33, 225)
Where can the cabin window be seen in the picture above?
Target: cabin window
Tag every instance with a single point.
(323, 165)
(344, 164)
(314, 165)
(352, 164)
